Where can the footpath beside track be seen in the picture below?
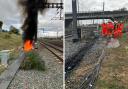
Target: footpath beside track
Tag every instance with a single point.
(7, 76)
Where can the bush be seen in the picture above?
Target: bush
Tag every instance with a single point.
(14, 30)
(2, 68)
(7, 36)
(33, 61)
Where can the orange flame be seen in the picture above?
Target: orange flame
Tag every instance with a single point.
(28, 46)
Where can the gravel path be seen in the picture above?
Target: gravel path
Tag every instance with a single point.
(51, 78)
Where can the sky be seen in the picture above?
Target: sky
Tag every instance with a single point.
(96, 5)
(10, 14)
(87, 5)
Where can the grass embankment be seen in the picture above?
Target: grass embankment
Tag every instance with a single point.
(114, 71)
(9, 42)
(33, 61)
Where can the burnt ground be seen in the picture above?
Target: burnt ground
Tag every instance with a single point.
(76, 76)
(74, 52)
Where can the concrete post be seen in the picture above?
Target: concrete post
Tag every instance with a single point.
(4, 56)
(0, 30)
(74, 11)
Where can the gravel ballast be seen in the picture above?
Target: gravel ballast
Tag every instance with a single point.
(51, 78)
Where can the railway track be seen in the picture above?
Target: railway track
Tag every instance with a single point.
(92, 76)
(8, 75)
(54, 49)
(55, 42)
(92, 67)
(68, 35)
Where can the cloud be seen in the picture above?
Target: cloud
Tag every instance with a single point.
(10, 14)
(87, 5)
(96, 5)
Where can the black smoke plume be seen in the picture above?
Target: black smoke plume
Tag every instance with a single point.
(30, 9)
(1, 23)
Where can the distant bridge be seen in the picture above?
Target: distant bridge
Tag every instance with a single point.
(98, 15)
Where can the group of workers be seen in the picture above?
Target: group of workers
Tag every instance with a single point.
(112, 29)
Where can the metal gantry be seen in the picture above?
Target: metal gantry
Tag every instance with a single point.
(53, 5)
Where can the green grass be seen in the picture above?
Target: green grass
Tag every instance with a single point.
(33, 61)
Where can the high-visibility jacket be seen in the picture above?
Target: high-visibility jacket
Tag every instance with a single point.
(110, 28)
(104, 29)
(118, 30)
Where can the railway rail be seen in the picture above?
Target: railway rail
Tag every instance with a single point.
(56, 42)
(68, 35)
(54, 49)
(87, 81)
(8, 75)
(92, 76)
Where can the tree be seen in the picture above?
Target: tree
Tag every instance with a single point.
(14, 30)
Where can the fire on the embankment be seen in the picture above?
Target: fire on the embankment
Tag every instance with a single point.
(30, 9)
(28, 46)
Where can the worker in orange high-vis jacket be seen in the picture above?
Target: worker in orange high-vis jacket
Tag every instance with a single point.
(104, 29)
(110, 29)
(121, 27)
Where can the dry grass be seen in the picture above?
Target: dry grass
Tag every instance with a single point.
(114, 71)
(2, 68)
(8, 42)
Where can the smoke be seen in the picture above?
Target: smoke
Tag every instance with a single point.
(1, 23)
(30, 9)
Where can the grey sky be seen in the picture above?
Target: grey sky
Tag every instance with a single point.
(10, 15)
(87, 5)
(94, 5)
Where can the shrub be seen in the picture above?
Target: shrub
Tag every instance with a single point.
(7, 36)
(14, 30)
(33, 61)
